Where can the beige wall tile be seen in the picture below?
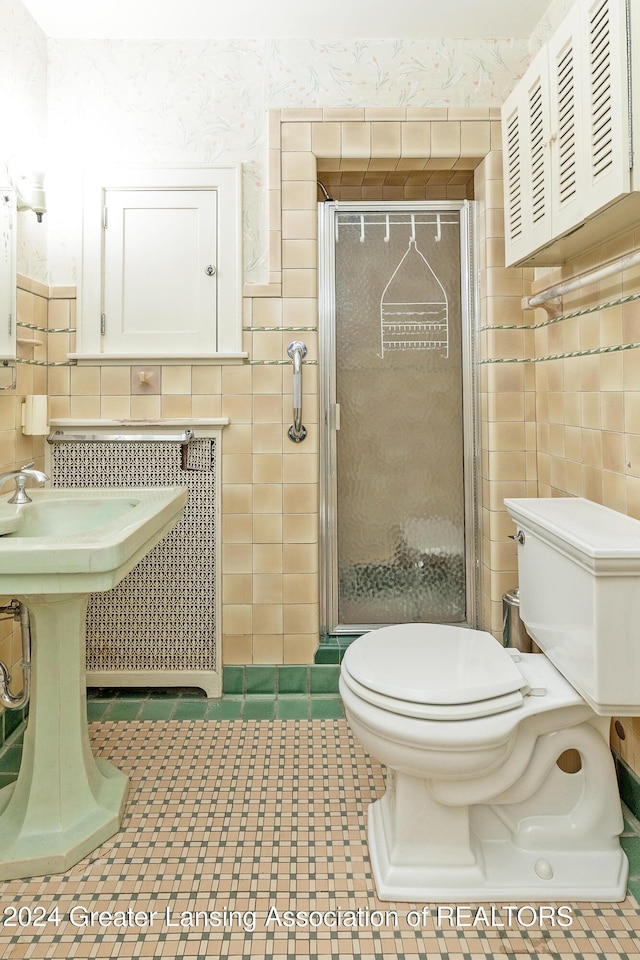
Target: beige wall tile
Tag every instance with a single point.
(85, 407)
(237, 588)
(326, 139)
(268, 649)
(386, 139)
(145, 408)
(268, 618)
(296, 136)
(356, 139)
(268, 589)
(176, 380)
(237, 649)
(267, 558)
(115, 408)
(175, 407)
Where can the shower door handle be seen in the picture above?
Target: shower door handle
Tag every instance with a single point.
(297, 350)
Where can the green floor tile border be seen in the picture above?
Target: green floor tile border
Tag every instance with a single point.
(319, 679)
(629, 785)
(278, 680)
(251, 692)
(332, 648)
(10, 721)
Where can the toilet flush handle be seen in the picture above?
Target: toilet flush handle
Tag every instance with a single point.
(519, 536)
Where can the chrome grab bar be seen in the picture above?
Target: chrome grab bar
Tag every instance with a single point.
(297, 350)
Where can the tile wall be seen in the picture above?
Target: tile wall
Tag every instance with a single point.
(270, 608)
(587, 402)
(16, 449)
(560, 426)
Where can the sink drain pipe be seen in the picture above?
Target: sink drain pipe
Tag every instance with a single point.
(19, 612)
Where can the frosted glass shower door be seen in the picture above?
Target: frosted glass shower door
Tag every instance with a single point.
(397, 538)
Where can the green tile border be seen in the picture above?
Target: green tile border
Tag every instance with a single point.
(233, 680)
(10, 721)
(324, 679)
(225, 709)
(629, 785)
(631, 846)
(281, 679)
(292, 708)
(331, 649)
(326, 708)
(258, 709)
(260, 680)
(293, 680)
(191, 710)
(250, 692)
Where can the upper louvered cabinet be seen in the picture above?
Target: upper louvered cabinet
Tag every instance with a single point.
(568, 159)
(567, 90)
(525, 127)
(606, 103)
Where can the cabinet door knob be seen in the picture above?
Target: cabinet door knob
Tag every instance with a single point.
(210, 270)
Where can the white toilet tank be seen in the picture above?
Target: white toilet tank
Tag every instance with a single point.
(579, 573)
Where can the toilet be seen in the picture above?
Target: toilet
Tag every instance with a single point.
(476, 805)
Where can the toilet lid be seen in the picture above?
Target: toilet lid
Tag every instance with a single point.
(435, 664)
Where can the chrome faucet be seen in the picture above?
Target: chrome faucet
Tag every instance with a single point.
(21, 476)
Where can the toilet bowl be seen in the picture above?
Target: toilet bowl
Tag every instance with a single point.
(476, 806)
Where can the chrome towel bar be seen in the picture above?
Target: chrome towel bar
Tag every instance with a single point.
(60, 437)
(297, 350)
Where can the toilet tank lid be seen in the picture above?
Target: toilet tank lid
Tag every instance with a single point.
(600, 538)
(434, 664)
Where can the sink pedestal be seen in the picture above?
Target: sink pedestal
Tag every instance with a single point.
(63, 546)
(65, 802)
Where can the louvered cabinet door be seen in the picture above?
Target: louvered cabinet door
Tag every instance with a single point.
(605, 101)
(567, 90)
(527, 175)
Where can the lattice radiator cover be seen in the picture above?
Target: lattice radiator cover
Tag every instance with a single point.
(159, 624)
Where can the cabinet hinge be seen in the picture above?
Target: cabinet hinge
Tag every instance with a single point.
(104, 218)
(103, 324)
(10, 324)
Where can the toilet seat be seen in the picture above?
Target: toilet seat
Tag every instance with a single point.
(434, 672)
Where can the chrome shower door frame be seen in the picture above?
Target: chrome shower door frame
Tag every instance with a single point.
(327, 225)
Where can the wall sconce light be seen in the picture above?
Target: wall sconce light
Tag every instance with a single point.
(30, 194)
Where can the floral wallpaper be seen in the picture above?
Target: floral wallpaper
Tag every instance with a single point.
(391, 73)
(550, 21)
(207, 102)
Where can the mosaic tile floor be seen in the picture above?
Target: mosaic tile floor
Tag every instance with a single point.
(229, 825)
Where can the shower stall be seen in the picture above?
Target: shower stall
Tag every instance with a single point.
(399, 424)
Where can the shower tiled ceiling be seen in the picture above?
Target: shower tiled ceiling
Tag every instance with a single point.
(386, 180)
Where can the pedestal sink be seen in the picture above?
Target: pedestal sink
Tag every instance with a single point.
(54, 552)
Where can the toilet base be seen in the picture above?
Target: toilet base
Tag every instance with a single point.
(500, 871)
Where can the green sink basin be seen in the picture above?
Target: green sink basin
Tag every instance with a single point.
(66, 518)
(72, 540)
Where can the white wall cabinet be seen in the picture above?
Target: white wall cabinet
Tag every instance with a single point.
(161, 265)
(567, 138)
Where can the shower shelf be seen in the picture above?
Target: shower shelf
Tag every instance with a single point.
(418, 323)
(416, 345)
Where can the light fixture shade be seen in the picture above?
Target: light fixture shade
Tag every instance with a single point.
(30, 193)
(38, 195)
